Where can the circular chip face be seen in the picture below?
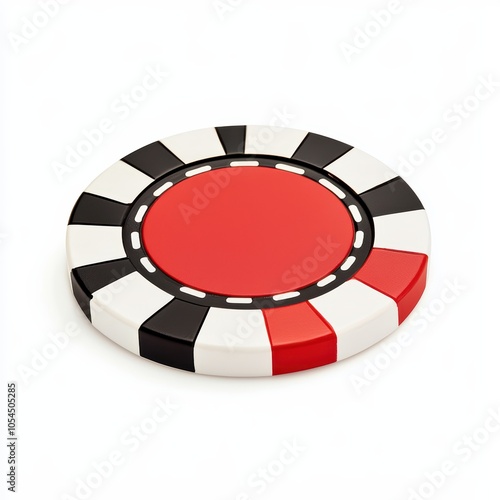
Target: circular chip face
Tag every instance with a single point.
(247, 251)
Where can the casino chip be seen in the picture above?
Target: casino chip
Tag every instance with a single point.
(242, 251)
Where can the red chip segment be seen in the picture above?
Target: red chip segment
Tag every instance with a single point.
(300, 338)
(400, 275)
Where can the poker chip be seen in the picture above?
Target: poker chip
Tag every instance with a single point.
(247, 251)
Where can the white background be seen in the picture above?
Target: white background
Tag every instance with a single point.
(255, 60)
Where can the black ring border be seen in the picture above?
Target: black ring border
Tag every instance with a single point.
(171, 286)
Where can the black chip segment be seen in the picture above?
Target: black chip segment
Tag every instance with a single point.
(168, 337)
(319, 150)
(93, 209)
(232, 138)
(154, 160)
(391, 197)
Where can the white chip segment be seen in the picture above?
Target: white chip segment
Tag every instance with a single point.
(406, 231)
(273, 140)
(359, 315)
(195, 145)
(91, 244)
(360, 170)
(120, 182)
(233, 342)
(119, 309)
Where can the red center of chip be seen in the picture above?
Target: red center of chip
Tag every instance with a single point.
(247, 231)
